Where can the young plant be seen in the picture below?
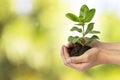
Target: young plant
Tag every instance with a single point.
(83, 20)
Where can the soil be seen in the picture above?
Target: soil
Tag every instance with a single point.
(77, 49)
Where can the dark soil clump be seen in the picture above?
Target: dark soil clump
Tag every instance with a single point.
(77, 49)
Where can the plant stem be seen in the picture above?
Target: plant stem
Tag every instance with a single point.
(83, 34)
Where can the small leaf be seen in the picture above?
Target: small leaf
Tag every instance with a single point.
(90, 15)
(70, 38)
(83, 12)
(80, 24)
(92, 39)
(94, 32)
(89, 28)
(72, 17)
(76, 29)
(75, 39)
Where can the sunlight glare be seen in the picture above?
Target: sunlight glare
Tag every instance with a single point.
(23, 7)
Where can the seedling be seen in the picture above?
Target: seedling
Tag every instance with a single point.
(82, 21)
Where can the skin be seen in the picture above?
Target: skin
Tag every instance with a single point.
(100, 53)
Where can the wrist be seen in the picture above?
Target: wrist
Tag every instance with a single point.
(103, 57)
(114, 57)
(107, 56)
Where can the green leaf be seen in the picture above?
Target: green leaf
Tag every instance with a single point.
(90, 15)
(94, 32)
(94, 37)
(70, 38)
(83, 12)
(80, 24)
(72, 17)
(89, 28)
(76, 29)
(75, 39)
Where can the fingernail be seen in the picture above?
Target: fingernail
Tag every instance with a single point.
(68, 60)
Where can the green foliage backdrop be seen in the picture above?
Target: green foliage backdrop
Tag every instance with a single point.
(30, 43)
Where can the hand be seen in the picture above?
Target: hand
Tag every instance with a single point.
(89, 59)
(100, 53)
(81, 63)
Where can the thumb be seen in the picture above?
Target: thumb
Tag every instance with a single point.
(86, 39)
(95, 43)
(86, 57)
(78, 59)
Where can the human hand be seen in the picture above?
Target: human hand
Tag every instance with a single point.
(89, 59)
(81, 63)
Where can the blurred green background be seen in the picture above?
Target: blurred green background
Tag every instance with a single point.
(32, 32)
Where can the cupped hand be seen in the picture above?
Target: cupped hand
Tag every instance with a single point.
(83, 62)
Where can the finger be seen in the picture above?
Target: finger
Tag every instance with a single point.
(66, 54)
(95, 43)
(62, 54)
(85, 57)
(78, 59)
(65, 61)
(91, 55)
(91, 51)
(81, 66)
(86, 39)
(69, 45)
